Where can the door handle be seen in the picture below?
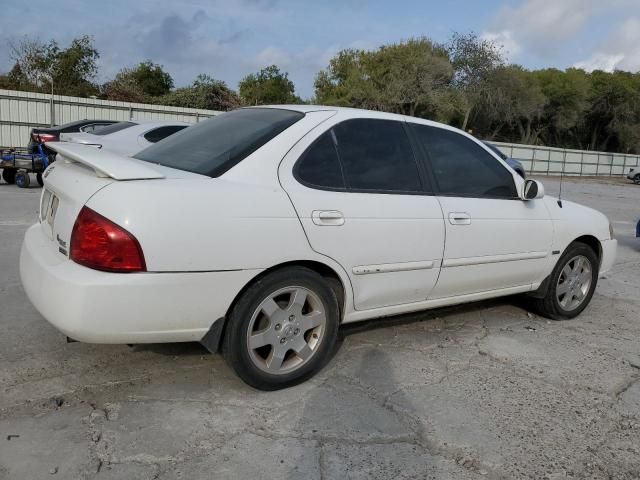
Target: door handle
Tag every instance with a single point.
(327, 218)
(459, 218)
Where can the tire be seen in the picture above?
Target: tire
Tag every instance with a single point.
(23, 180)
(636, 179)
(288, 311)
(579, 278)
(39, 179)
(9, 175)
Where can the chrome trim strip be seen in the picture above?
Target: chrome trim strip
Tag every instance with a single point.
(509, 257)
(392, 267)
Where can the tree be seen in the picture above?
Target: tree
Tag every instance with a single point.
(268, 86)
(568, 94)
(513, 101)
(70, 70)
(411, 77)
(205, 92)
(473, 60)
(139, 84)
(124, 88)
(152, 79)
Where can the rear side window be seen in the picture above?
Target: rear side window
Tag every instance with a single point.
(376, 155)
(319, 166)
(161, 133)
(116, 127)
(215, 145)
(461, 167)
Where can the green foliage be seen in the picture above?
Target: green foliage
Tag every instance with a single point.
(205, 92)
(139, 84)
(268, 87)
(41, 67)
(151, 77)
(409, 77)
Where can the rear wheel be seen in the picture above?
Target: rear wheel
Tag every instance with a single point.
(282, 329)
(22, 179)
(636, 179)
(9, 175)
(572, 283)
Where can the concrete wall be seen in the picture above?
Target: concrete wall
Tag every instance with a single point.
(550, 161)
(21, 111)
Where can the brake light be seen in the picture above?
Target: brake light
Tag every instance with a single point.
(44, 137)
(98, 243)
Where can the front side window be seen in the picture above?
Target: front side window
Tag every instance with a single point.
(461, 167)
(376, 155)
(215, 145)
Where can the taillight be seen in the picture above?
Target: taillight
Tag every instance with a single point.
(98, 243)
(44, 137)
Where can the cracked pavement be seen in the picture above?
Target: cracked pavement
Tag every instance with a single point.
(484, 390)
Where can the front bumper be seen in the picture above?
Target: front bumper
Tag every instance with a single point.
(100, 307)
(609, 249)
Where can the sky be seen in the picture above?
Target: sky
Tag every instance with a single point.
(229, 39)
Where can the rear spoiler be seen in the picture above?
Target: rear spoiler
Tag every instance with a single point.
(105, 163)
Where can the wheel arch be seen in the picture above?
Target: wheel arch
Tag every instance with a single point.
(213, 338)
(592, 242)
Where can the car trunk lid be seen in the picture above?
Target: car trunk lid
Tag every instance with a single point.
(79, 172)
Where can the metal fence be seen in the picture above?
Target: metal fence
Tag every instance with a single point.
(553, 161)
(21, 111)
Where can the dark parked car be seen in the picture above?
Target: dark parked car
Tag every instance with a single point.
(52, 134)
(513, 163)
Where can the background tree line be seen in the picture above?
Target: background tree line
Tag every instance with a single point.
(466, 83)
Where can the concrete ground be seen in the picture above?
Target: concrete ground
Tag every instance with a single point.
(482, 391)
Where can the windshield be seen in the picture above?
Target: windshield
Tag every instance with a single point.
(116, 127)
(215, 145)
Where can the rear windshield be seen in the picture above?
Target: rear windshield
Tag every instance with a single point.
(215, 145)
(116, 127)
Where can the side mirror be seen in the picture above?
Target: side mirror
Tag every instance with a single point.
(531, 190)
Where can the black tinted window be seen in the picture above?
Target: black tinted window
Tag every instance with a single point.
(215, 145)
(462, 167)
(116, 127)
(161, 133)
(319, 165)
(377, 155)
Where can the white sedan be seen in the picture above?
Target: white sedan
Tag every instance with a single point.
(261, 230)
(127, 138)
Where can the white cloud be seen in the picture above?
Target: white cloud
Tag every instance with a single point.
(504, 39)
(619, 52)
(542, 26)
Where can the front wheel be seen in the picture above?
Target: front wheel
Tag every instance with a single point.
(22, 179)
(572, 283)
(283, 329)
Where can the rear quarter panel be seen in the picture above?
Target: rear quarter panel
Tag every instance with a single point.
(205, 224)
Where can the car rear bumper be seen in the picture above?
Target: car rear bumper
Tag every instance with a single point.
(609, 249)
(100, 307)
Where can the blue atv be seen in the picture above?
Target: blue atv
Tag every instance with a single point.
(17, 164)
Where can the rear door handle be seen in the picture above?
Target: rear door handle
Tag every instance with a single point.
(327, 218)
(459, 218)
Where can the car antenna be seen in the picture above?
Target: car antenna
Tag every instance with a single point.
(564, 159)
